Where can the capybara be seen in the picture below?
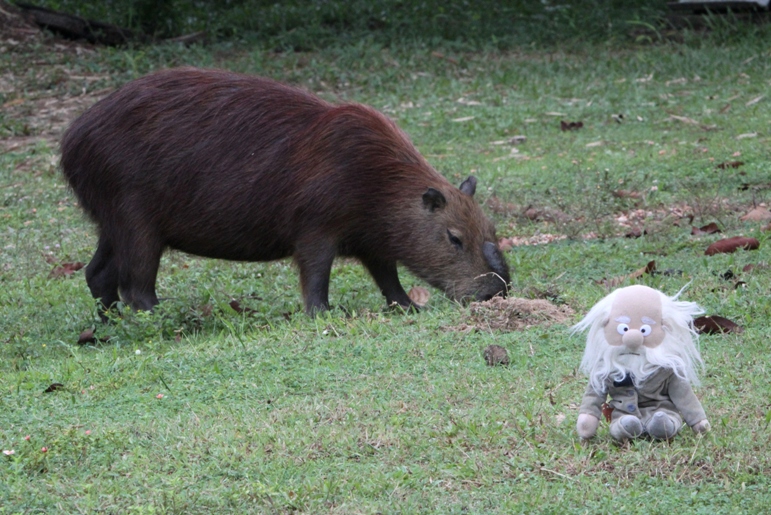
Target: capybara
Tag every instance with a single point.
(238, 167)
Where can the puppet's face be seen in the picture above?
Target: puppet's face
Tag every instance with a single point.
(635, 321)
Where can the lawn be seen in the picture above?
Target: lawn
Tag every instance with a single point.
(203, 408)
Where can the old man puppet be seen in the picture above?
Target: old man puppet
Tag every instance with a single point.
(641, 357)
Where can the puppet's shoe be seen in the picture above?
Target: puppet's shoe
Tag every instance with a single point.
(663, 426)
(626, 427)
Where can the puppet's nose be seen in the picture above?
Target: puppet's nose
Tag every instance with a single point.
(632, 339)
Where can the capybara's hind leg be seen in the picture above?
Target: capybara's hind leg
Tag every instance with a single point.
(138, 270)
(387, 279)
(102, 276)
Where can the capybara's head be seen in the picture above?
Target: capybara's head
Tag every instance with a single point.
(458, 251)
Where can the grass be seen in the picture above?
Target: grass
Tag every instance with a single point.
(199, 409)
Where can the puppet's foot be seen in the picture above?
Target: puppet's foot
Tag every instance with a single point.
(663, 426)
(626, 427)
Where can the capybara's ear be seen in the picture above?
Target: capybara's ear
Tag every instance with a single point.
(469, 186)
(433, 199)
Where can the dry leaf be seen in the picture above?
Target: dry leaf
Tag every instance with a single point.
(627, 194)
(86, 336)
(570, 126)
(53, 387)
(238, 309)
(615, 281)
(716, 325)
(607, 411)
(755, 100)
(463, 119)
(729, 245)
(711, 228)
(496, 355)
(66, 269)
(759, 214)
(635, 233)
(506, 244)
(684, 119)
(730, 164)
(419, 296)
(440, 55)
(500, 207)
(747, 135)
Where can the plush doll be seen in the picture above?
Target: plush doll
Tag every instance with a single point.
(641, 353)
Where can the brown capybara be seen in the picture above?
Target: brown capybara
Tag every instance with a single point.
(239, 167)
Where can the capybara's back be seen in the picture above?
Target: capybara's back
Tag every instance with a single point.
(237, 167)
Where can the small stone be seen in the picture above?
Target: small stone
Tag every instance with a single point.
(496, 355)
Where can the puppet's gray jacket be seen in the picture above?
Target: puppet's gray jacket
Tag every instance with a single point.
(662, 390)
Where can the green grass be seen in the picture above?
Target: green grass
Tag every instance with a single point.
(363, 410)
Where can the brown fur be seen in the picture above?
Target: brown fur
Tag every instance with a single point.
(243, 168)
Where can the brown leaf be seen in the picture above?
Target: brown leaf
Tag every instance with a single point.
(546, 214)
(496, 355)
(506, 244)
(607, 411)
(615, 281)
(238, 309)
(440, 55)
(730, 164)
(501, 207)
(716, 325)
(86, 336)
(627, 194)
(635, 232)
(570, 126)
(706, 229)
(66, 269)
(759, 214)
(53, 387)
(419, 296)
(728, 245)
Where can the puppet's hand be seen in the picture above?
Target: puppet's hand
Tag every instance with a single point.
(587, 425)
(701, 427)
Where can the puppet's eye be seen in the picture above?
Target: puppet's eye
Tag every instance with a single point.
(645, 329)
(622, 328)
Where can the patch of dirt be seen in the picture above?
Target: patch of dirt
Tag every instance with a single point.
(39, 94)
(46, 118)
(514, 314)
(15, 27)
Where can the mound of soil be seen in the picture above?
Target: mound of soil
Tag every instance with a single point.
(514, 314)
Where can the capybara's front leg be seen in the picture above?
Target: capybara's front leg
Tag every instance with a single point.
(139, 256)
(387, 278)
(315, 264)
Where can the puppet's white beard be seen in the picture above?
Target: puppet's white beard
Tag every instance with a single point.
(616, 363)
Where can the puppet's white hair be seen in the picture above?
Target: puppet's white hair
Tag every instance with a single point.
(678, 351)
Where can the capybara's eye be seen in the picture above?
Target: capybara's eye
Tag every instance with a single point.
(622, 328)
(454, 240)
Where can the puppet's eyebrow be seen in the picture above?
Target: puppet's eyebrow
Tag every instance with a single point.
(623, 319)
(648, 320)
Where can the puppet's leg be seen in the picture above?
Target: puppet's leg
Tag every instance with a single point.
(664, 425)
(626, 427)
